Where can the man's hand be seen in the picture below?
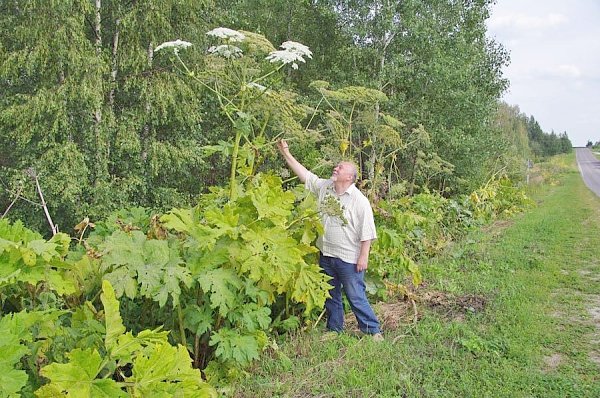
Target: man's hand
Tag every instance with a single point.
(362, 264)
(282, 145)
(291, 161)
(363, 258)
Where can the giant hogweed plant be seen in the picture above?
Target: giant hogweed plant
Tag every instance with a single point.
(248, 246)
(243, 81)
(55, 343)
(222, 274)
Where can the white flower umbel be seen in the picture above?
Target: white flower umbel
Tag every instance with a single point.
(227, 34)
(175, 45)
(292, 54)
(226, 51)
(297, 48)
(285, 57)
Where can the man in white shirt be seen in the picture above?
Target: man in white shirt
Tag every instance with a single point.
(345, 243)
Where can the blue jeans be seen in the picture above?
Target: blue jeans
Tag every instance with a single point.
(345, 277)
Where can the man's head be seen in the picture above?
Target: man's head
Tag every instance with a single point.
(344, 172)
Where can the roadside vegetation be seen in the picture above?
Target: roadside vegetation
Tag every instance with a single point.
(510, 311)
(151, 240)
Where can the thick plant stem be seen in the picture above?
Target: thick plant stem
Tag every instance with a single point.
(232, 184)
(181, 327)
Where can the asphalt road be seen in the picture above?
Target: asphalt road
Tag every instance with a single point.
(589, 167)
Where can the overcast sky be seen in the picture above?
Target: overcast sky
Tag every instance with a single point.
(554, 70)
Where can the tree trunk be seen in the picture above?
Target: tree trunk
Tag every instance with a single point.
(145, 138)
(113, 72)
(101, 164)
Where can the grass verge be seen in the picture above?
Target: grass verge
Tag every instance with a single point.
(513, 311)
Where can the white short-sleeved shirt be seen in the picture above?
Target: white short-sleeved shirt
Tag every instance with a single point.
(339, 240)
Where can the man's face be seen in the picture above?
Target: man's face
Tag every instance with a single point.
(343, 172)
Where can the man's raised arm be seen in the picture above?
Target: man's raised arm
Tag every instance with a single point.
(293, 164)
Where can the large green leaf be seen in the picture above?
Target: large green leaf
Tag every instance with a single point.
(310, 287)
(224, 221)
(122, 248)
(270, 200)
(198, 319)
(112, 316)
(251, 317)
(222, 285)
(11, 380)
(231, 345)
(77, 378)
(149, 267)
(189, 221)
(167, 371)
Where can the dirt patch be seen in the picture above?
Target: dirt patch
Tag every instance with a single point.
(392, 316)
(593, 308)
(398, 315)
(453, 307)
(551, 362)
(497, 227)
(592, 276)
(395, 315)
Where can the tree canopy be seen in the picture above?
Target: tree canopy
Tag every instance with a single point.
(407, 89)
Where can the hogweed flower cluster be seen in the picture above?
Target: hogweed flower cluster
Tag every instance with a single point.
(292, 53)
(226, 51)
(332, 207)
(175, 45)
(230, 35)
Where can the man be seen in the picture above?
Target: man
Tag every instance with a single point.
(345, 244)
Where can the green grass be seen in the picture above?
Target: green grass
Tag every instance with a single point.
(538, 275)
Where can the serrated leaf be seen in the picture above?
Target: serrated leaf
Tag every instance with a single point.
(112, 316)
(124, 282)
(197, 319)
(11, 380)
(271, 201)
(62, 242)
(210, 259)
(172, 278)
(7, 245)
(189, 222)
(222, 286)
(10, 277)
(28, 255)
(12, 350)
(251, 317)
(291, 323)
(276, 255)
(311, 287)
(46, 250)
(231, 345)
(166, 371)
(149, 278)
(20, 325)
(181, 220)
(224, 221)
(256, 267)
(77, 378)
(56, 281)
(122, 248)
(151, 337)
